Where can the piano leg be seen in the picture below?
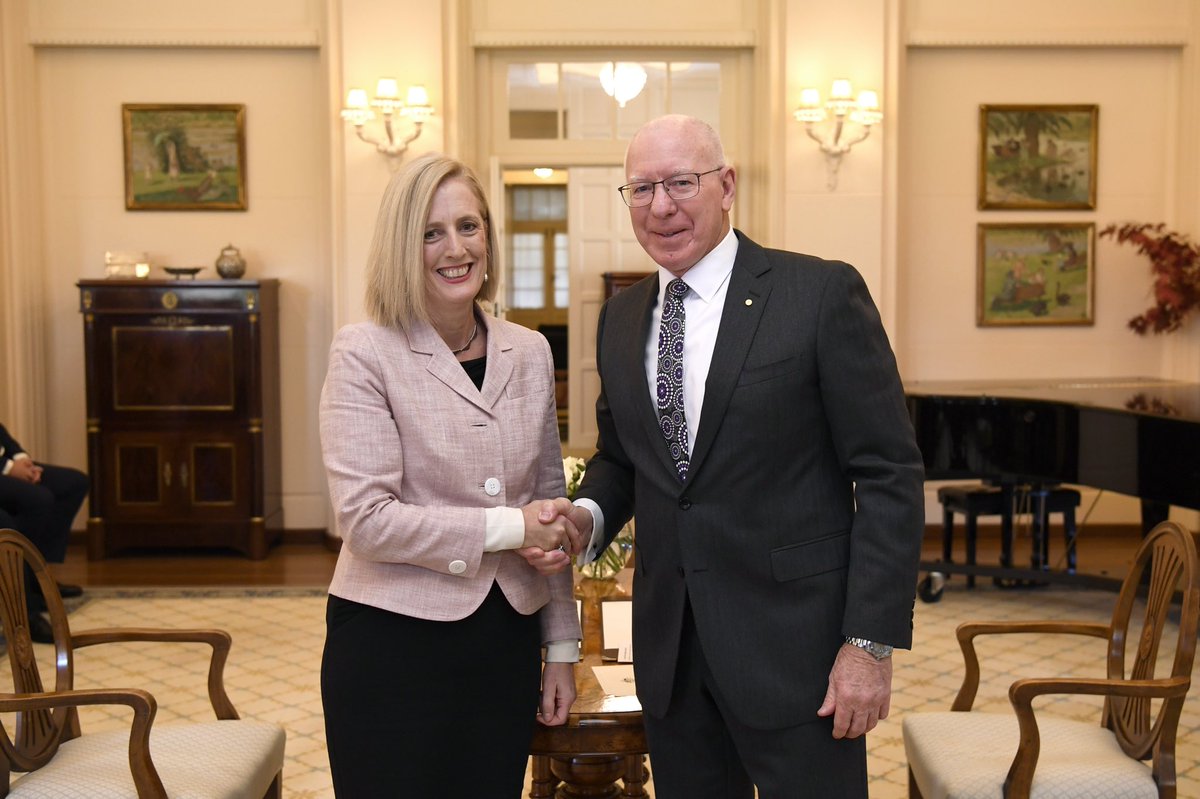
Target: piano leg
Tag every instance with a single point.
(1006, 524)
(1039, 556)
(1153, 513)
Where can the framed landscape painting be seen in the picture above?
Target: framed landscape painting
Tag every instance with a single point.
(184, 157)
(1037, 156)
(1035, 274)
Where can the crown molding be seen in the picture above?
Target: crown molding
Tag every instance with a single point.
(301, 38)
(1160, 37)
(623, 39)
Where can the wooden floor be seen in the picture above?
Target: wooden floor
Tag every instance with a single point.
(285, 565)
(311, 564)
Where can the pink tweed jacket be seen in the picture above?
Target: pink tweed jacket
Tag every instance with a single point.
(414, 453)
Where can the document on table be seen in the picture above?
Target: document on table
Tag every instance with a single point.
(615, 680)
(616, 619)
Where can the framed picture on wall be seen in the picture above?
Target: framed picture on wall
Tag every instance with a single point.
(184, 157)
(1035, 274)
(1037, 156)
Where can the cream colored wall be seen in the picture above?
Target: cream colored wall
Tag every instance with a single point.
(379, 38)
(903, 212)
(845, 224)
(1130, 60)
(81, 83)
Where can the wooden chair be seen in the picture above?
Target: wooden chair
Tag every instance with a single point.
(225, 758)
(964, 754)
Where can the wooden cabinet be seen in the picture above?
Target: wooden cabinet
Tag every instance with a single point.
(616, 281)
(182, 414)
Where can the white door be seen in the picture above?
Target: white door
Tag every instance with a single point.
(601, 240)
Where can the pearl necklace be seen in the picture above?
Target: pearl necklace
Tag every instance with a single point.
(467, 346)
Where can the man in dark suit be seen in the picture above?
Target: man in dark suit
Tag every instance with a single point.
(776, 483)
(39, 501)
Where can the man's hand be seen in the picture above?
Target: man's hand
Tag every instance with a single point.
(548, 525)
(859, 694)
(558, 693)
(583, 519)
(25, 469)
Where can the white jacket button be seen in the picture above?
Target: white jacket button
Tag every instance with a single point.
(458, 566)
(491, 486)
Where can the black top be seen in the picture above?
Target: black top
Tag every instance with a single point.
(476, 368)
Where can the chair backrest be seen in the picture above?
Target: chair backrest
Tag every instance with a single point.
(1164, 571)
(38, 733)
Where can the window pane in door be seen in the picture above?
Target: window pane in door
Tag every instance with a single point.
(562, 294)
(533, 101)
(527, 280)
(588, 108)
(696, 89)
(649, 103)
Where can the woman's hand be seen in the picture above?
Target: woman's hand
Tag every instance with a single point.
(546, 562)
(558, 693)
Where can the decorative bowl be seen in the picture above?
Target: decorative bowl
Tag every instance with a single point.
(182, 271)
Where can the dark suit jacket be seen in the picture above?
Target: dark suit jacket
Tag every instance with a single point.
(801, 518)
(8, 447)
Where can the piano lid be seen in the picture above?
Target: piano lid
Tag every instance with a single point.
(1142, 395)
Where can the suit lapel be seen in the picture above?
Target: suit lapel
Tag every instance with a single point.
(749, 288)
(446, 368)
(630, 323)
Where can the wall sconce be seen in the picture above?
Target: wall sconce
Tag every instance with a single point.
(415, 106)
(622, 81)
(864, 112)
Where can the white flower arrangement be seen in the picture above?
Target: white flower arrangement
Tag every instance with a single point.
(613, 559)
(573, 472)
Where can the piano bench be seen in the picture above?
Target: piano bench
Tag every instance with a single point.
(1039, 500)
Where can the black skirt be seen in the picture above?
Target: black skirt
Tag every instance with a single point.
(418, 708)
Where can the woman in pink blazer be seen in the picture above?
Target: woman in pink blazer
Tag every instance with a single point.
(440, 439)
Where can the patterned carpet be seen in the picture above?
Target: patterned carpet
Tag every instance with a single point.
(278, 634)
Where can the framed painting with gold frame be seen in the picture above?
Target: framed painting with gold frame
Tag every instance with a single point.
(1035, 274)
(184, 157)
(1037, 156)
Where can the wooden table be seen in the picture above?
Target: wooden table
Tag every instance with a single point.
(603, 740)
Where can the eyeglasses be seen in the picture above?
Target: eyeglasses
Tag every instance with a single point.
(677, 187)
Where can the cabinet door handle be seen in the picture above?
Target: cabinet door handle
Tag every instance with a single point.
(167, 474)
(183, 474)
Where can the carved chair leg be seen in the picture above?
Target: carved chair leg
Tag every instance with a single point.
(275, 791)
(913, 791)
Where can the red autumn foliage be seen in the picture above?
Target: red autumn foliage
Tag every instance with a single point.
(1175, 265)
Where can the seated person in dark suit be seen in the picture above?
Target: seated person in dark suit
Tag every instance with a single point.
(40, 502)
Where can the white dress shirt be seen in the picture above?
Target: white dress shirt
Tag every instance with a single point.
(708, 281)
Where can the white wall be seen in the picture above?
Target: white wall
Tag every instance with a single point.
(283, 234)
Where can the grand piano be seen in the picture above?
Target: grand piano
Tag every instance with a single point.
(1134, 436)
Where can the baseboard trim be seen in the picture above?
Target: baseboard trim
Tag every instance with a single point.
(310, 535)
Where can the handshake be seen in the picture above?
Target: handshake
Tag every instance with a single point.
(555, 530)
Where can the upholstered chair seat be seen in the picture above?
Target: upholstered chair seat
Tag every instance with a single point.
(1128, 752)
(45, 755)
(213, 760)
(967, 755)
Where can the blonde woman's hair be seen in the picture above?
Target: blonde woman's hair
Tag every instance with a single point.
(395, 295)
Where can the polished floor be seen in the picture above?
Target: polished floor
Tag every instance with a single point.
(278, 633)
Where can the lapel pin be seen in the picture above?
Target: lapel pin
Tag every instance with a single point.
(749, 302)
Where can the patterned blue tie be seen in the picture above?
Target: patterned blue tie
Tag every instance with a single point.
(671, 419)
